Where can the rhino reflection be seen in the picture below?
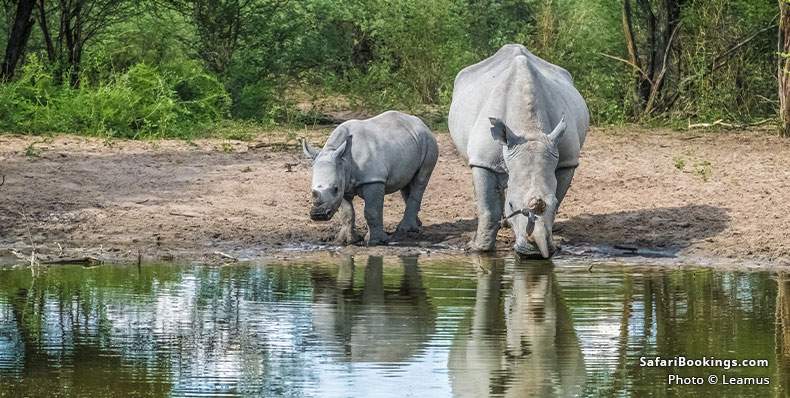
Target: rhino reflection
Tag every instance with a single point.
(530, 351)
(374, 323)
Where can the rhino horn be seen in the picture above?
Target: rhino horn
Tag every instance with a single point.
(308, 150)
(541, 238)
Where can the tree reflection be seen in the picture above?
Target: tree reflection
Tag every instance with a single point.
(502, 329)
(520, 340)
(783, 334)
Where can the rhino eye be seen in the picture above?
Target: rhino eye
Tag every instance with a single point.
(334, 190)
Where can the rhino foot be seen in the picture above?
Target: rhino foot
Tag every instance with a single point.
(476, 246)
(408, 228)
(376, 239)
(347, 238)
(532, 253)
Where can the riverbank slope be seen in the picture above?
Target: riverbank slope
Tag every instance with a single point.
(689, 194)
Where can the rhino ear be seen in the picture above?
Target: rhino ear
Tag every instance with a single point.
(308, 150)
(499, 131)
(342, 149)
(556, 135)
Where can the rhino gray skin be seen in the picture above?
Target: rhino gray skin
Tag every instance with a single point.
(370, 158)
(520, 124)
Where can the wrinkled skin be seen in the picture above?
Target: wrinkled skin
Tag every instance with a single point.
(330, 175)
(371, 158)
(532, 164)
(520, 124)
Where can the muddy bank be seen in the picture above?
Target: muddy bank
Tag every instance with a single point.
(651, 192)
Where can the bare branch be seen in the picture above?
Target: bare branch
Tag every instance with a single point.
(657, 83)
(721, 59)
(629, 63)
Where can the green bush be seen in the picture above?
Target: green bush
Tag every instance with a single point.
(172, 101)
(147, 76)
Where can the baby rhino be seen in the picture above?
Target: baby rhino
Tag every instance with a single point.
(371, 158)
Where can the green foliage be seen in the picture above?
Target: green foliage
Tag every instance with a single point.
(680, 163)
(743, 88)
(145, 101)
(171, 72)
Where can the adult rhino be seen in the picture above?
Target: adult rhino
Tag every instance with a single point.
(520, 124)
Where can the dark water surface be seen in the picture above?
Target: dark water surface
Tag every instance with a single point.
(369, 327)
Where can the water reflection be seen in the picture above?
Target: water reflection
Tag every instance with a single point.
(783, 334)
(371, 323)
(520, 341)
(386, 327)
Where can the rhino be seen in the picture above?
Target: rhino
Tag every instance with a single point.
(371, 158)
(520, 124)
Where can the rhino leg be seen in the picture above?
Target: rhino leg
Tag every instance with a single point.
(564, 177)
(412, 195)
(410, 223)
(489, 195)
(373, 195)
(347, 234)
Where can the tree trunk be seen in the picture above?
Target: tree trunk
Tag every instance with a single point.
(651, 63)
(783, 69)
(44, 25)
(650, 51)
(633, 55)
(17, 39)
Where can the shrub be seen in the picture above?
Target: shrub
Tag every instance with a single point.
(173, 101)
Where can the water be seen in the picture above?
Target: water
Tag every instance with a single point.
(369, 327)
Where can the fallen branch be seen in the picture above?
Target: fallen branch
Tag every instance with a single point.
(19, 255)
(275, 146)
(188, 215)
(227, 256)
(87, 260)
(719, 122)
(722, 123)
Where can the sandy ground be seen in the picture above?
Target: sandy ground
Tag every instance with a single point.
(654, 192)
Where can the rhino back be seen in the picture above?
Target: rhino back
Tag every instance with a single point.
(529, 94)
(389, 148)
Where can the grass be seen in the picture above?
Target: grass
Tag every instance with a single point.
(680, 163)
(31, 151)
(703, 169)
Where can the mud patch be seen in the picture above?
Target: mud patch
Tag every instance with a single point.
(637, 189)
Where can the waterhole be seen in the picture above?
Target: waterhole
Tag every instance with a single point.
(390, 327)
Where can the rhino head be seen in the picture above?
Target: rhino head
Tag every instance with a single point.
(331, 168)
(530, 203)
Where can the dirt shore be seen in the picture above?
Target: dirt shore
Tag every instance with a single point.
(653, 192)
